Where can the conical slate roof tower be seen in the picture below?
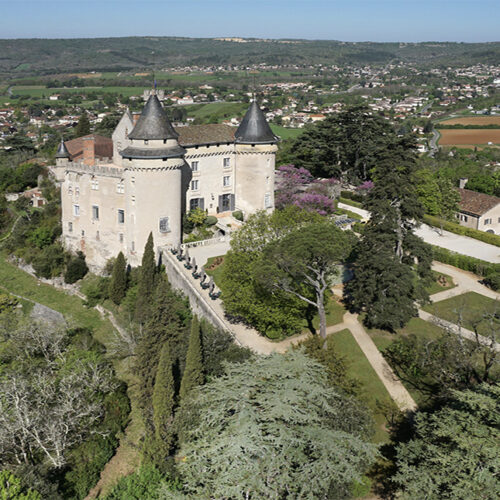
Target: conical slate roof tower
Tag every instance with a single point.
(254, 128)
(153, 124)
(62, 151)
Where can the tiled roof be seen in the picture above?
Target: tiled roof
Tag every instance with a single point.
(476, 203)
(205, 134)
(103, 147)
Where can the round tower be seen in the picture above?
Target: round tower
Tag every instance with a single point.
(255, 147)
(153, 162)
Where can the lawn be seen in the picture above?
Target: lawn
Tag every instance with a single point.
(441, 283)
(471, 307)
(286, 133)
(216, 110)
(372, 388)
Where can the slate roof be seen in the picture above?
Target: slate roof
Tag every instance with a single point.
(476, 203)
(153, 154)
(254, 128)
(153, 124)
(198, 135)
(103, 147)
(62, 151)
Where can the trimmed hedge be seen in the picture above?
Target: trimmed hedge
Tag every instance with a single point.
(210, 220)
(452, 227)
(348, 201)
(476, 266)
(351, 196)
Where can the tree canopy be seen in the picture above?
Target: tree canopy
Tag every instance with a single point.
(273, 428)
(455, 452)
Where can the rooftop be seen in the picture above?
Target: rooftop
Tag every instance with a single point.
(476, 203)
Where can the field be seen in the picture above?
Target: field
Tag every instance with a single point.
(41, 91)
(286, 133)
(469, 137)
(473, 120)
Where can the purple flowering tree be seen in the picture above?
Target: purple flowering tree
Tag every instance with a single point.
(296, 186)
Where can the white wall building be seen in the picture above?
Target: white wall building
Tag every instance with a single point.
(156, 174)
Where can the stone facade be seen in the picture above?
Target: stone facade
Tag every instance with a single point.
(110, 206)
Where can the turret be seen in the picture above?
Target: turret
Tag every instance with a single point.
(255, 162)
(153, 162)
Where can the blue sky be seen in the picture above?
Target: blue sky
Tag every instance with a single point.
(348, 20)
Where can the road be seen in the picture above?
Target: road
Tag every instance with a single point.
(433, 147)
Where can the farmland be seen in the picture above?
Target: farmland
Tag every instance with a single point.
(473, 120)
(469, 137)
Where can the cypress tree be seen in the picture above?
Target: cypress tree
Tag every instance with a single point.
(83, 127)
(146, 282)
(193, 372)
(118, 283)
(164, 401)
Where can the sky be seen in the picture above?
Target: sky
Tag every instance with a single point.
(347, 20)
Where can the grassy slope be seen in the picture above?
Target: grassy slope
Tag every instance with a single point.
(471, 305)
(18, 282)
(286, 133)
(360, 369)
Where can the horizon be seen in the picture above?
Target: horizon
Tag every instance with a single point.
(357, 21)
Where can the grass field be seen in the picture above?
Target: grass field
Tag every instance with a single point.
(472, 120)
(468, 137)
(359, 368)
(217, 110)
(436, 287)
(286, 133)
(472, 307)
(40, 91)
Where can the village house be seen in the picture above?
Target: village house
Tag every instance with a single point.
(478, 210)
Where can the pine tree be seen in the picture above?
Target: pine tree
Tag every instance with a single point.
(118, 283)
(193, 372)
(146, 282)
(83, 127)
(164, 402)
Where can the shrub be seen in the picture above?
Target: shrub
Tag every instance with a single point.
(348, 201)
(352, 196)
(238, 215)
(76, 268)
(96, 289)
(493, 281)
(211, 220)
(49, 262)
(476, 266)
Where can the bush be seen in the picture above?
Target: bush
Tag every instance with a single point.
(348, 201)
(493, 281)
(211, 220)
(476, 266)
(452, 227)
(49, 262)
(76, 268)
(96, 289)
(238, 215)
(351, 195)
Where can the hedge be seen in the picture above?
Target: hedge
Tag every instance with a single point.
(476, 266)
(452, 227)
(348, 201)
(351, 196)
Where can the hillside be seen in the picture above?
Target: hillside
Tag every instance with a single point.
(20, 57)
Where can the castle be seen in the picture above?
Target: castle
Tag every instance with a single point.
(154, 174)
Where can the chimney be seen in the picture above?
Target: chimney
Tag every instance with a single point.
(88, 151)
(462, 182)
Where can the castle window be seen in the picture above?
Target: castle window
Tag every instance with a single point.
(94, 184)
(70, 189)
(226, 162)
(164, 225)
(70, 227)
(132, 246)
(120, 187)
(97, 237)
(121, 216)
(196, 203)
(267, 200)
(226, 180)
(487, 221)
(120, 237)
(83, 233)
(195, 185)
(76, 210)
(95, 212)
(194, 166)
(132, 180)
(132, 199)
(77, 191)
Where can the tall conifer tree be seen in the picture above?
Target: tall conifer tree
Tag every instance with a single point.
(164, 401)
(83, 127)
(384, 285)
(146, 282)
(118, 283)
(193, 372)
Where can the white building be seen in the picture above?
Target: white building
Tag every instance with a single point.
(156, 174)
